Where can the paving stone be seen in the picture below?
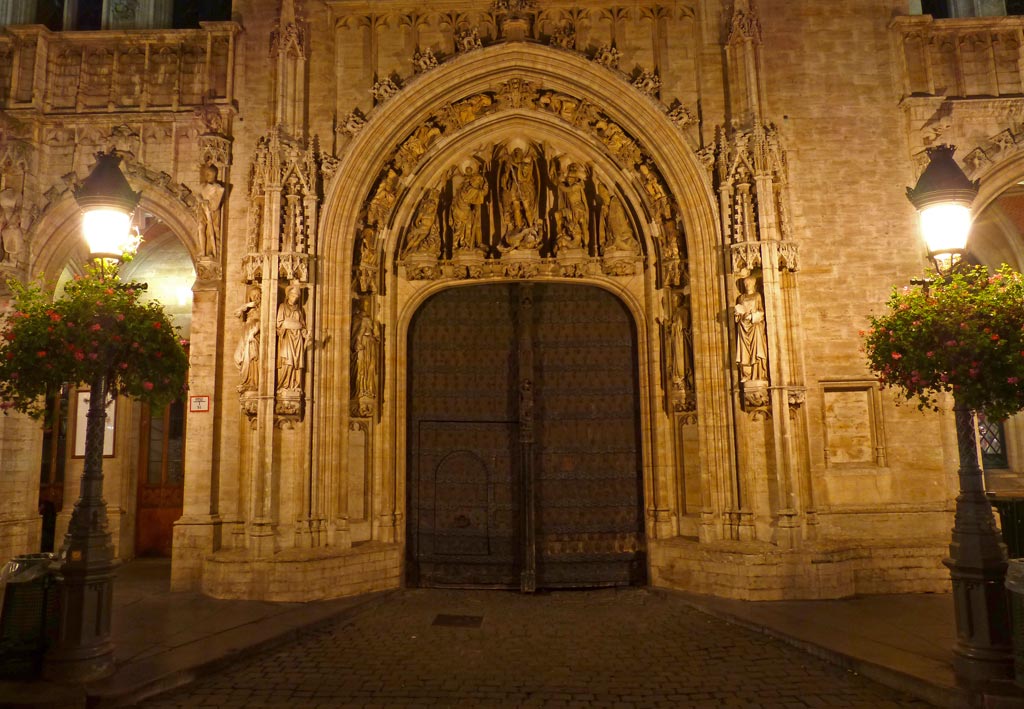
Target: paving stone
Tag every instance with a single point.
(600, 648)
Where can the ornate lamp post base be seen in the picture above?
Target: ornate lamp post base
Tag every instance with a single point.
(84, 650)
(977, 568)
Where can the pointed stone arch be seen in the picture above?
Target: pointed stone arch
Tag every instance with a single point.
(60, 223)
(367, 159)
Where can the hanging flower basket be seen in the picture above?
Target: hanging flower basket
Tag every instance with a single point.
(100, 326)
(963, 334)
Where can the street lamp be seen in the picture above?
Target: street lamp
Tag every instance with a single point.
(977, 557)
(83, 650)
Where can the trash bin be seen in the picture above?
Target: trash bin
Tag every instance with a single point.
(28, 614)
(1015, 585)
(1011, 522)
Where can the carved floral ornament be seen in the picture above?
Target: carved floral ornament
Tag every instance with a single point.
(557, 27)
(522, 197)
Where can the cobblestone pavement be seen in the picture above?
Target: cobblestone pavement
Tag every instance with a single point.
(602, 648)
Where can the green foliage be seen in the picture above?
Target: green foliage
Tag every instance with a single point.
(99, 326)
(964, 335)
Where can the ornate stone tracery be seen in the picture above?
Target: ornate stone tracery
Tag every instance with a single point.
(284, 193)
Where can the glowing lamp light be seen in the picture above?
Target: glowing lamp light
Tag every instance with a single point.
(943, 197)
(107, 202)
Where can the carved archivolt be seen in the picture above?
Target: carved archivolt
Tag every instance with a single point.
(517, 197)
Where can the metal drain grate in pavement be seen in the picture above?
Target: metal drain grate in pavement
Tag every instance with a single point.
(459, 621)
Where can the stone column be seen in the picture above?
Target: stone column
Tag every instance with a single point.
(198, 531)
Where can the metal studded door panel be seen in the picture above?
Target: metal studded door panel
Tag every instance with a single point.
(589, 523)
(463, 516)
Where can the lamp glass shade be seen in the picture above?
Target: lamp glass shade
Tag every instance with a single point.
(945, 227)
(108, 232)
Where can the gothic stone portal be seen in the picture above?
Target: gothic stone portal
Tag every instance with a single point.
(524, 439)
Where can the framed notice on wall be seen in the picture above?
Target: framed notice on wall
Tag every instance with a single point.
(81, 409)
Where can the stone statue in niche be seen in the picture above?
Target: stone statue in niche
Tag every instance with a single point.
(12, 226)
(211, 197)
(247, 352)
(572, 213)
(615, 233)
(416, 145)
(366, 351)
(469, 194)
(519, 182)
(424, 234)
(680, 340)
(292, 341)
(655, 192)
(369, 261)
(751, 335)
(383, 199)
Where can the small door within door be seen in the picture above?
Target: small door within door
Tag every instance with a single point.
(523, 439)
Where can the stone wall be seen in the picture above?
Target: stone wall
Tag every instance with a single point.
(760, 149)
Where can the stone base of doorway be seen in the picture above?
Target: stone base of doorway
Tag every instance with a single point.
(756, 571)
(303, 574)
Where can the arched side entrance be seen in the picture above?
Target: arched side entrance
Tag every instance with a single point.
(523, 439)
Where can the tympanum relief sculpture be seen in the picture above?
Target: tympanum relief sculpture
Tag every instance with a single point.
(516, 209)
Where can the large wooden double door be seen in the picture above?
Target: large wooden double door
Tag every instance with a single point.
(524, 463)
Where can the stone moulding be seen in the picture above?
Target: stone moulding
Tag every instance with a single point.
(303, 574)
(757, 571)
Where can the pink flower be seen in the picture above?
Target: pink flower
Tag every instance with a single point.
(1012, 380)
(929, 354)
(952, 343)
(120, 317)
(95, 327)
(79, 355)
(897, 355)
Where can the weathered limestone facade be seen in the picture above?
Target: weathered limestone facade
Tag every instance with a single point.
(732, 171)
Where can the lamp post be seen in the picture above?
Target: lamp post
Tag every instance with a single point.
(977, 557)
(83, 650)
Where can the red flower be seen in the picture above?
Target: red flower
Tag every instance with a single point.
(148, 386)
(41, 353)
